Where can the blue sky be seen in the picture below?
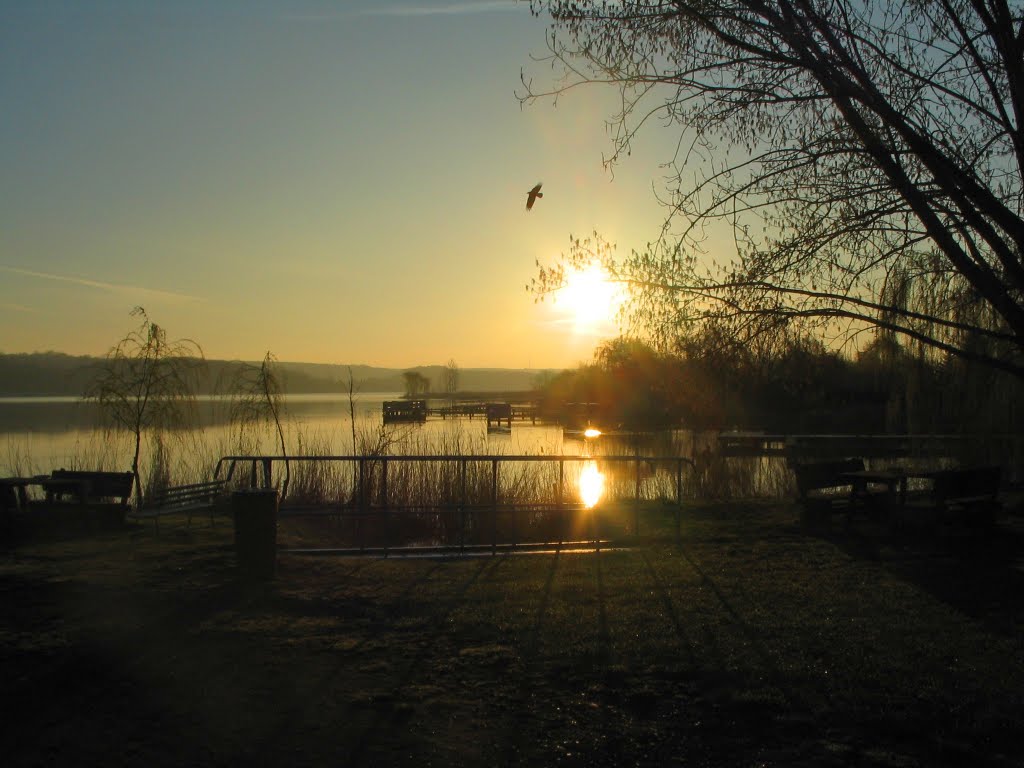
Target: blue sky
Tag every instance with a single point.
(330, 181)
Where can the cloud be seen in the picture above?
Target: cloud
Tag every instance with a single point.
(138, 293)
(413, 11)
(446, 9)
(17, 307)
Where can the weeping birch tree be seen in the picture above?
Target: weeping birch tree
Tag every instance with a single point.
(147, 383)
(864, 156)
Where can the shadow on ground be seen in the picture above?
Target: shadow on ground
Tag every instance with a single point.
(747, 642)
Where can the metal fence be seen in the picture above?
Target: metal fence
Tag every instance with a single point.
(385, 503)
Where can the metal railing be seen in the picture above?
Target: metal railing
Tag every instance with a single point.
(369, 493)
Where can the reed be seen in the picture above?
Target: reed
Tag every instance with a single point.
(189, 454)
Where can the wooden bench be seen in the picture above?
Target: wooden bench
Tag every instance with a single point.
(822, 489)
(194, 497)
(88, 487)
(969, 496)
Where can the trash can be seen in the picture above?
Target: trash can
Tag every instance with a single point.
(255, 514)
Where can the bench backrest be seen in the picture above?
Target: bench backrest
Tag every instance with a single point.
(194, 493)
(811, 476)
(100, 485)
(967, 483)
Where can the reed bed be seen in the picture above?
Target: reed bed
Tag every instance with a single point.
(439, 496)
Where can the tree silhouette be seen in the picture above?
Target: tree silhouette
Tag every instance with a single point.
(416, 384)
(257, 397)
(866, 157)
(451, 377)
(146, 382)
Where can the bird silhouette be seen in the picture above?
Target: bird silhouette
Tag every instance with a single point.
(532, 195)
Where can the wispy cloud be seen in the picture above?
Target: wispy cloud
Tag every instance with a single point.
(6, 305)
(445, 9)
(409, 10)
(137, 292)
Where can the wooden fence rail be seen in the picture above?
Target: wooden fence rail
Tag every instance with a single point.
(372, 494)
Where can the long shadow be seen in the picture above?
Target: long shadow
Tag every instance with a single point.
(604, 639)
(358, 752)
(978, 574)
(517, 736)
(670, 609)
(764, 658)
(291, 721)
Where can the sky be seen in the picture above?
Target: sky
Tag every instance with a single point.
(337, 182)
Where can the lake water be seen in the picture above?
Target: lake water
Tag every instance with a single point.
(38, 434)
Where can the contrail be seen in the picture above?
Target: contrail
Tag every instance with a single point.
(448, 9)
(17, 307)
(103, 286)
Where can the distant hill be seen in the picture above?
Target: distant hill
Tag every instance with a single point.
(54, 373)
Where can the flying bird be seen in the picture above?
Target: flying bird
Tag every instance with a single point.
(532, 195)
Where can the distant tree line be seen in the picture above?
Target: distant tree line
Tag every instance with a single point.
(55, 373)
(792, 385)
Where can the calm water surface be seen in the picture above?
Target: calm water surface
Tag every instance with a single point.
(38, 434)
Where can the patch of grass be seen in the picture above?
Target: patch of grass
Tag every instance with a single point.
(749, 643)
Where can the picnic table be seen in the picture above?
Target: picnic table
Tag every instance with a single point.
(87, 487)
(14, 490)
(893, 480)
(944, 493)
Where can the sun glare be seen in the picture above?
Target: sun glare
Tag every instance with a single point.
(590, 298)
(591, 484)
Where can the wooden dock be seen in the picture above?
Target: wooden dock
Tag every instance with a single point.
(405, 411)
(493, 413)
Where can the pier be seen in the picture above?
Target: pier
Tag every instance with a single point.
(405, 411)
(496, 414)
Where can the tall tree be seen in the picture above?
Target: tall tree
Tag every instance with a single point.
(257, 396)
(147, 382)
(416, 384)
(451, 377)
(865, 155)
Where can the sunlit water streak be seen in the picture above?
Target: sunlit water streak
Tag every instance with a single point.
(591, 484)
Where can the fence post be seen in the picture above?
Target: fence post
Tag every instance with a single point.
(679, 498)
(361, 502)
(494, 506)
(462, 505)
(561, 508)
(636, 494)
(384, 502)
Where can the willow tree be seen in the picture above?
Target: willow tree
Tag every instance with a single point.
(146, 383)
(257, 398)
(451, 377)
(865, 158)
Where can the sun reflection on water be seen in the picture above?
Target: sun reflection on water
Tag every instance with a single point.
(591, 484)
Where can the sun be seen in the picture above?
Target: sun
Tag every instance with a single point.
(590, 298)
